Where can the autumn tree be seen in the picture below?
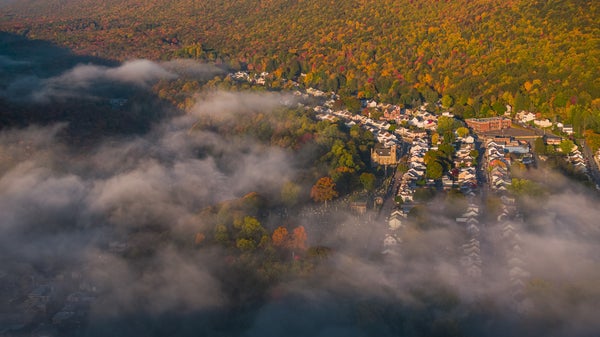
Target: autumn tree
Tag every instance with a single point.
(323, 190)
(280, 237)
(298, 238)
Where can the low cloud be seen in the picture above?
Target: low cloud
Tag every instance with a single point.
(224, 106)
(80, 81)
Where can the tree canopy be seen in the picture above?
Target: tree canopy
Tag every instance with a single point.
(477, 55)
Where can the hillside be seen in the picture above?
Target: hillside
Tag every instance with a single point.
(482, 54)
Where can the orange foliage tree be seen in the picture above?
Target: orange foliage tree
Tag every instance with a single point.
(323, 190)
(280, 237)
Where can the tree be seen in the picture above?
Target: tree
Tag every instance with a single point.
(323, 190)
(298, 238)
(447, 124)
(245, 245)
(368, 181)
(290, 193)
(221, 234)
(540, 146)
(280, 237)
(447, 149)
(431, 156)
(434, 170)
(251, 229)
(351, 103)
(462, 132)
(447, 101)
(566, 146)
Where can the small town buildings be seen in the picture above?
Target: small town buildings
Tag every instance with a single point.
(552, 140)
(488, 124)
(383, 155)
(568, 129)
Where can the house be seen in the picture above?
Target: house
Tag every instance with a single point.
(552, 140)
(390, 240)
(473, 230)
(474, 271)
(473, 208)
(544, 123)
(406, 195)
(470, 214)
(447, 181)
(398, 213)
(469, 140)
(469, 249)
(516, 146)
(466, 175)
(395, 222)
(525, 117)
(568, 129)
(360, 207)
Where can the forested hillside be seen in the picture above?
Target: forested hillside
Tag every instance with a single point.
(537, 55)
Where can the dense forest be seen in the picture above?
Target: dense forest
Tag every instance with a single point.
(480, 55)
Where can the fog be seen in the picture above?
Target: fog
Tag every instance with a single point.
(63, 204)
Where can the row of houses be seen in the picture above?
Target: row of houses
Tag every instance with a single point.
(393, 236)
(379, 129)
(470, 251)
(577, 161)
(509, 226)
(408, 184)
(498, 165)
(464, 174)
(259, 79)
(416, 169)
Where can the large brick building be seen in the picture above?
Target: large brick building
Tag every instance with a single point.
(382, 155)
(488, 124)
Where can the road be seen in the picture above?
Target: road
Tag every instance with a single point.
(593, 170)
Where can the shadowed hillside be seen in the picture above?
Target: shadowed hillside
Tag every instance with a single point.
(40, 84)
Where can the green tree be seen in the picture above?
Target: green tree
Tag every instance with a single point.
(566, 146)
(222, 234)
(245, 245)
(368, 181)
(290, 192)
(447, 101)
(540, 146)
(434, 170)
(462, 131)
(251, 229)
(447, 149)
